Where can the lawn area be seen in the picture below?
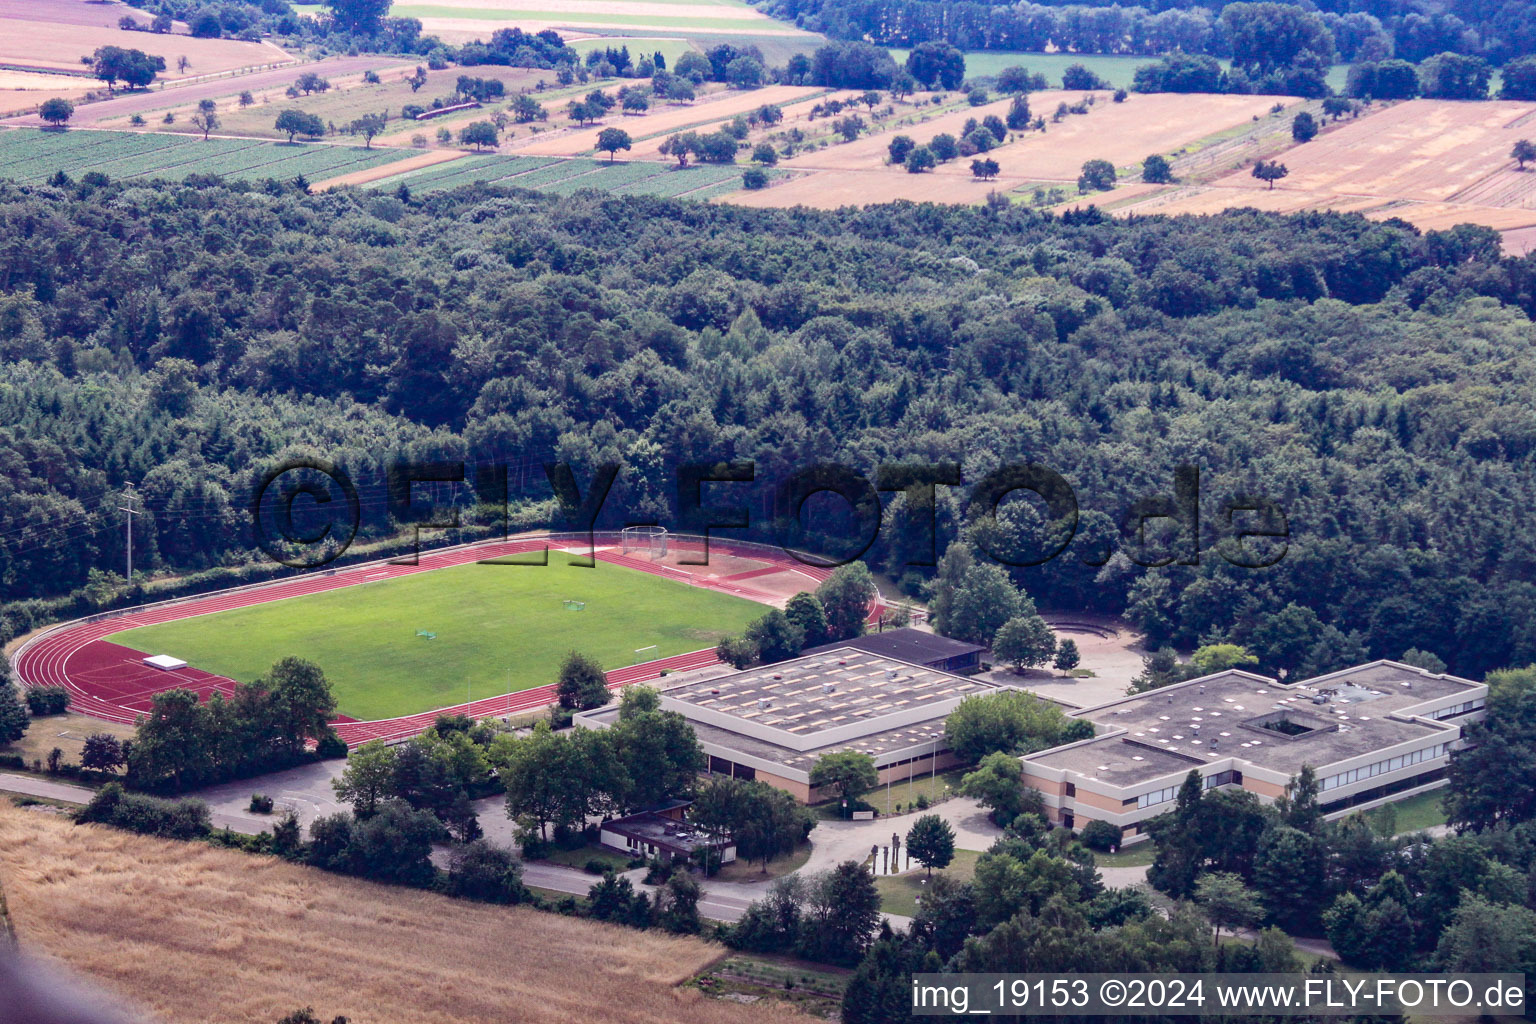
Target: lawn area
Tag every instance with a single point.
(899, 893)
(67, 732)
(1137, 856)
(499, 629)
(579, 857)
(1416, 813)
(745, 871)
(905, 794)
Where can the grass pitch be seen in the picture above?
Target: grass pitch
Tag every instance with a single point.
(500, 628)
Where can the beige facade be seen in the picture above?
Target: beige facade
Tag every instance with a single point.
(1371, 734)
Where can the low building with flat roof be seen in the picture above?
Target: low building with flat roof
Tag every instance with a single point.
(774, 722)
(665, 834)
(916, 646)
(1371, 733)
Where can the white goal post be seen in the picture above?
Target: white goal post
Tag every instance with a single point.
(644, 541)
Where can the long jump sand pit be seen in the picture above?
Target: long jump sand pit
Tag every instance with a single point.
(194, 933)
(57, 33)
(663, 120)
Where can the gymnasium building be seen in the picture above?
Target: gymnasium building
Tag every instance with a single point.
(772, 723)
(1372, 733)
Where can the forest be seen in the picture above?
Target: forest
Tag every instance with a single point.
(1410, 29)
(166, 344)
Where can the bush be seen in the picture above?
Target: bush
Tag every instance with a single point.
(754, 178)
(47, 700)
(331, 746)
(134, 812)
(480, 871)
(261, 803)
(594, 867)
(1101, 836)
(922, 801)
(13, 761)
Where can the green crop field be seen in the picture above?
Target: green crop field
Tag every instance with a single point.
(1114, 69)
(34, 155)
(500, 628)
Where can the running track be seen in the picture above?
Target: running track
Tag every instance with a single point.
(110, 682)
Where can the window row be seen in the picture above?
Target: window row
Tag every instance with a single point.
(1370, 771)
(1458, 709)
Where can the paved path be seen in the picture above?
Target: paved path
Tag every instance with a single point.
(64, 792)
(836, 841)
(124, 104)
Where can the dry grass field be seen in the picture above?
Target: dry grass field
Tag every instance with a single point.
(191, 934)
(57, 33)
(1433, 163)
(633, 16)
(704, 114)
(856, 173)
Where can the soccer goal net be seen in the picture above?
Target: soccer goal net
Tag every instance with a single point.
(575, 606)
(645, 541)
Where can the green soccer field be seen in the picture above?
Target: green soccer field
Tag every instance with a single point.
(499, 629)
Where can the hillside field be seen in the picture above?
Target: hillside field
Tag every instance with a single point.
(500, 629)
(1125, 133)
(55, 33)
(192, 933)
(1433, 163)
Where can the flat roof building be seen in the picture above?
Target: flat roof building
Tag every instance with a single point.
(666, 834)
(916, 646)
(772, 723)
(1370, 732)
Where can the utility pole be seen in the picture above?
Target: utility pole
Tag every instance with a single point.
(128, 528)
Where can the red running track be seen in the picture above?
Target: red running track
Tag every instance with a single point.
(111, 682)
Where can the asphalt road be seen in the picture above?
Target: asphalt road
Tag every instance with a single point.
(88, 115)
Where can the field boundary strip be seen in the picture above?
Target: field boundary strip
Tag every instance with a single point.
(44, 658)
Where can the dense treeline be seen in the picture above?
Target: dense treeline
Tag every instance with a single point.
(1374, 382)
(1411, 29)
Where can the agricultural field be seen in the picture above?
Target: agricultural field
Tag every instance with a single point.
(1115, 69)
(561, 177)
(684, 17)
(34, 155)
(1434, 163)
(498, 630)
(55, 33)
(704, 114)
(172, 929)
(670, 47)
(1122, 133)
(348, 99)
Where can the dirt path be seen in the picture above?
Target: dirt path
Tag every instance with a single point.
(389, 170)
(125, 104)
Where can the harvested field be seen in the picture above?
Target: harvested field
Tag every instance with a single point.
(1122, 133)
(663, 120)
(1433, 163)
(856, 173)
(179, 929)
(686, 16)
(50, 85)
(1430, 150)
(413, 163)
(55, 33)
